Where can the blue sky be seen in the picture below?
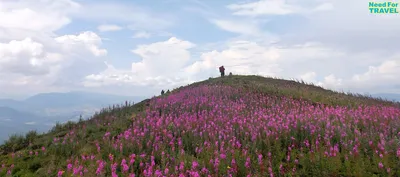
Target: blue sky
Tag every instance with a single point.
(141, 47)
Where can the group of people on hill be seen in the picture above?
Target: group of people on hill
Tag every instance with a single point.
(221, 70)
(162, 92)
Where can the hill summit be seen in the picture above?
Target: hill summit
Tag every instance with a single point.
(230, 126)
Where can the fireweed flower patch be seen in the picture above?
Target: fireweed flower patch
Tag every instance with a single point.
(226, 131)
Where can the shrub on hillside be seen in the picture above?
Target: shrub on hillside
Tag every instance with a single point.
(14, 143)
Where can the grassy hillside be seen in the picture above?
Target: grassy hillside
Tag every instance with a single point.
(295, 89)
(237, 125)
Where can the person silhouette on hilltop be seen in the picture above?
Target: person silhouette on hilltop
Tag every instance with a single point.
(222, 71)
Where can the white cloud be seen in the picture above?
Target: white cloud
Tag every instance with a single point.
(30, 123)
(117, 78)
(334, 27)
(162, 58)
(29, 49)
(161, 64)
(247, 57)
(240, 27)
(332, 82)
(240, 57)
(13, 19)
(263, 7)
(380, 78)
(46, 67)
(26, 57)
(324, 7)
(105, 28)
(36, 15)
(88, 40)
(387, 72)
(142, 34)
(309, 77)
(136, 18)
(280, 7)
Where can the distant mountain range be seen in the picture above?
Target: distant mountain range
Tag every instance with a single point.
(13, 121)
(388, 96)
(40, 112)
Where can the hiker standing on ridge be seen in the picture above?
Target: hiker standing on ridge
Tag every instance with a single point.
(222, 71)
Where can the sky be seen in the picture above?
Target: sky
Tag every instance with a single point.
(138, 48)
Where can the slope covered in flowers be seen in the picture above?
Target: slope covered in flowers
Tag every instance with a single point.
(219, 130)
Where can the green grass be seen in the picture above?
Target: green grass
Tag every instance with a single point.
(295, 89)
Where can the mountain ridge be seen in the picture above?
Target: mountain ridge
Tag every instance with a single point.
(388, 96)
